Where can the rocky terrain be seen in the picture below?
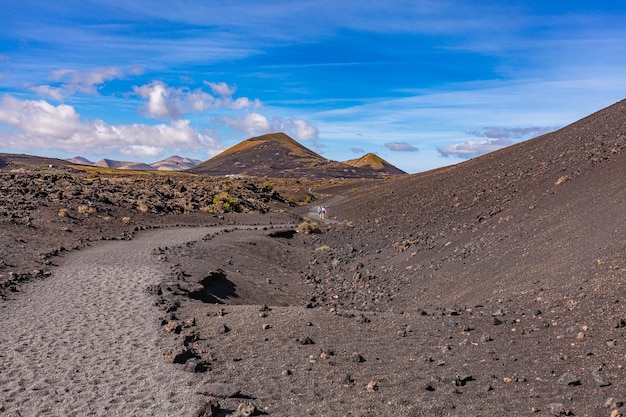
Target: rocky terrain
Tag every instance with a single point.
(493, 287)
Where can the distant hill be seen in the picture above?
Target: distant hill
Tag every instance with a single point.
(278, 155)
(376, 163)
(175, 163)
(109, 163)
(80, 161)
(172, 163)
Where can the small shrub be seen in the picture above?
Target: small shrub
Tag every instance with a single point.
(308, 199)
(142, 207)
(63, 212)
(308, 227)
(324, 248)
(350, 223)
(92, 176)
(268, 186)
(125, 220)
(86, 210)
(224, 203)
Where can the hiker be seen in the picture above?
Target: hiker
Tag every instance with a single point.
(323, 212)
(319, 212)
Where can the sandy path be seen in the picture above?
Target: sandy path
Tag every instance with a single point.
(86, 341)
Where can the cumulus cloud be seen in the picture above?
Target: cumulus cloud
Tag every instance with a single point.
(400, 147)
(255, 124)
(70, 81)
(142, 150)
(473, 148)
(171, 102)
(221, 89)
(162, 101)
(30, 124)
(303, 129)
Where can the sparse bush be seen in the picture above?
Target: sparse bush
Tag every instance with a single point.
(308, 227)
(323, 248)
(224, 203)
(86, 210)
(63, 212)
(308, 199)
(350, 223)
(142, 207)
(92, 176)
(125, 220)
(268, 186)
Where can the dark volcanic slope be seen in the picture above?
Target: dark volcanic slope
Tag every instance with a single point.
(279, 156)
(545, 213)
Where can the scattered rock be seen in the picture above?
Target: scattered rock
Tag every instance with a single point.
(599, 379)
(372, 386)
(305, 341)
(558, 409)
(173, 327)
(209, 409)
(569, 380)
(195, 365)
(177, 354)
(245, 410)
(613, 403)
(223, 329)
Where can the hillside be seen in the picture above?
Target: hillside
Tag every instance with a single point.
(279, 156)
(492, 287)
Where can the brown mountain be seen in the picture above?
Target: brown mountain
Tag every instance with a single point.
(278, 155)
(375, 163)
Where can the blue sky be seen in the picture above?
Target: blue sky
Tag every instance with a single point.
(422, 84)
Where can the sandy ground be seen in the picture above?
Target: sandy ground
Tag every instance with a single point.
(87, 340)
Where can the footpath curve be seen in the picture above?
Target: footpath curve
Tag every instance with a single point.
(86, 341)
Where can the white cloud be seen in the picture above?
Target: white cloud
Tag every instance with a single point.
(257, 124)
(161, 102)
(252, 123)
(304, 130)
(472, 148)
(72, 81)
(142, 151)
(221, 89)
(171, 102)
(30, 124)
